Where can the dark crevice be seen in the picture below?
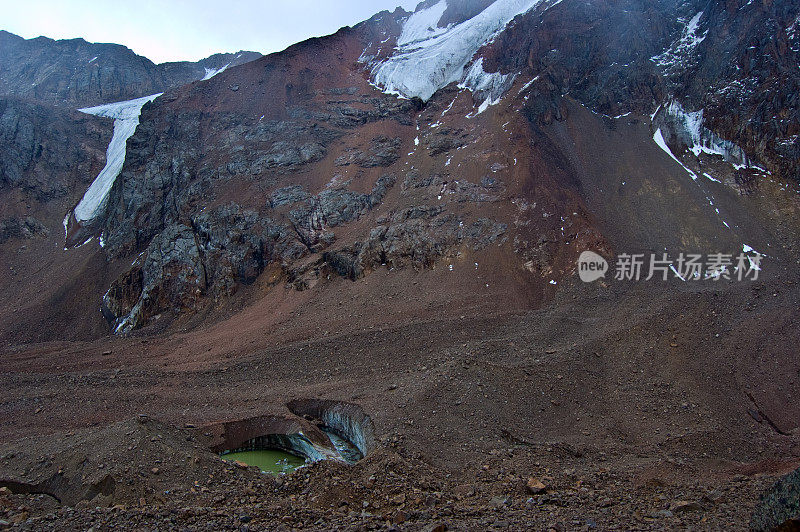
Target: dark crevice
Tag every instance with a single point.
(24, 488)
(764, 416)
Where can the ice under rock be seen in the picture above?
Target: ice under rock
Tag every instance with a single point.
(689, 129)
(126, 119)
(428, 58)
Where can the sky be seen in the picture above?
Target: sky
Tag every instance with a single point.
(186, 30)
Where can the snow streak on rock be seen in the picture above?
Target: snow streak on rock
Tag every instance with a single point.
(126, 119)
(489, 86)
(679, 56)
(428, 58)
(659, 139)
(211, 72)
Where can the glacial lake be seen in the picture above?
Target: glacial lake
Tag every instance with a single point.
(268, 460)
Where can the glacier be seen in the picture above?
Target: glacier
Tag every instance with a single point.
(126, 120)
(423, 25)
(428, 58)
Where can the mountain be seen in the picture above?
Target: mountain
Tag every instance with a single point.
(317, 172)
(75, 73)
(49, 151)
(393, 216)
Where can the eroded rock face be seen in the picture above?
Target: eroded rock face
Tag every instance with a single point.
(48, 152)
(747, 80)
(416, 237)
(217, 251)
(334, 207)
(383, 151)
(223, 248)
(599, 52)
(177, 174)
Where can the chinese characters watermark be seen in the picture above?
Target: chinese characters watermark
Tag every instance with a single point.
(685, 266)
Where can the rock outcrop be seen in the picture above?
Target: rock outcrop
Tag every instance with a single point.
(779, 508)
(48, 152)
(22, 228)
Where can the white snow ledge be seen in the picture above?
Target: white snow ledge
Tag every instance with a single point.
(126, 120)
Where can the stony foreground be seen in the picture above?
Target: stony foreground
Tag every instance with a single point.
(573, 417)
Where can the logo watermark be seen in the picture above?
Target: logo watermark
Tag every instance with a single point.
(685, 266)
(591, 266)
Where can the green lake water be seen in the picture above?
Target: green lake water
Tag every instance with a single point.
(269, 461)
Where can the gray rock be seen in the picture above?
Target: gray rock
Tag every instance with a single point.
(74, 73)
(334, 207)
(444, 140)
(417, 237)
(22, 228)
(186, 264)
(47, 151)
(383, 151)
(779, 506)
(288, 196)
(416, 180)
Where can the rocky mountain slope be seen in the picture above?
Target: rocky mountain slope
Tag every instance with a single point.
(506, 135)
(311, 165)
(392, 215)
(51, 151)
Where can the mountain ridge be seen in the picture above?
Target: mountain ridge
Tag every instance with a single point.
(49, 71)
(295, 129)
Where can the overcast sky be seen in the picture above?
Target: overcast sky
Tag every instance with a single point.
(177, 30)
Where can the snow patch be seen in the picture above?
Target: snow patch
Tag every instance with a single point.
(428, 58)
(678, 275)
(449, 106)
(682, 50)
(126, 119)
(491, 86)
(211, 72)
(528, 85)
(659, 139)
